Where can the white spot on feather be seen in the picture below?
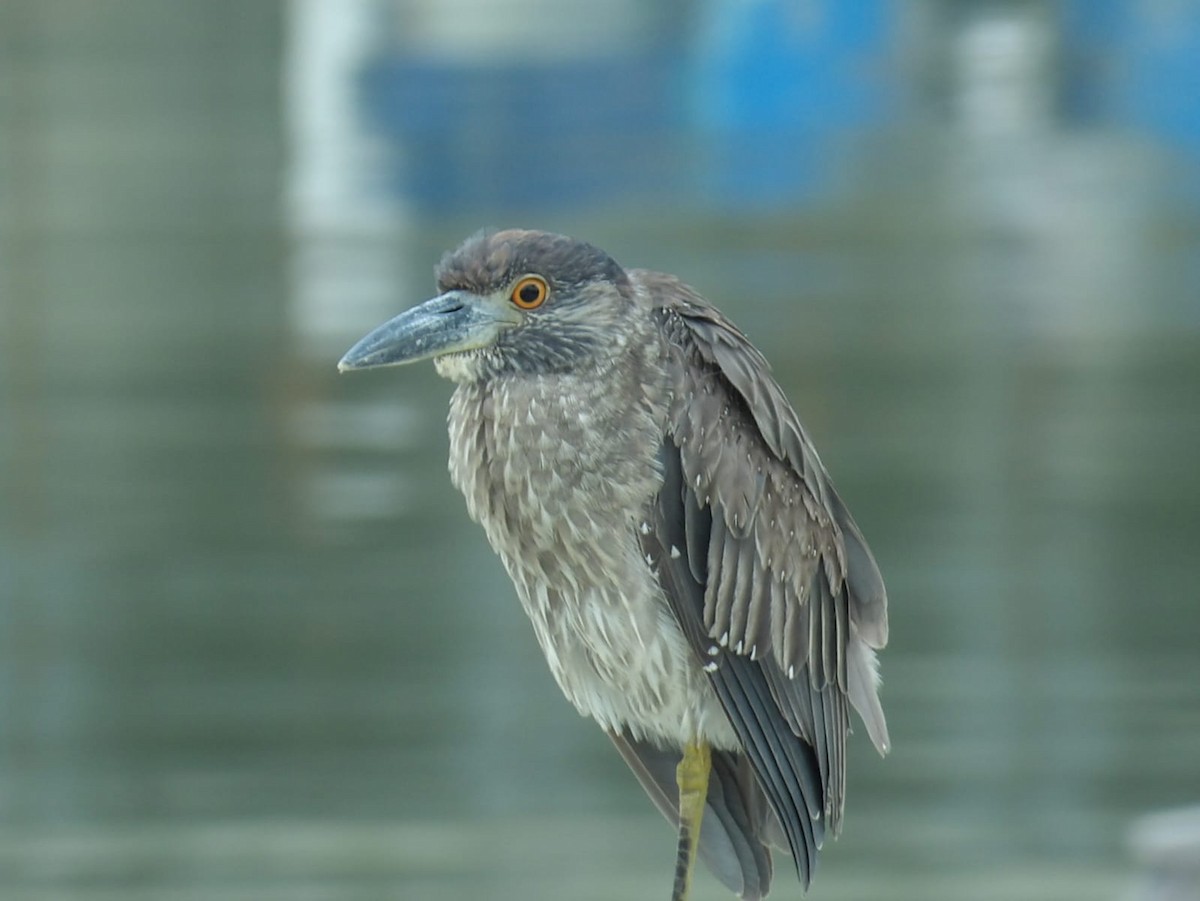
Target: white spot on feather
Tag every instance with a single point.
(674, 552)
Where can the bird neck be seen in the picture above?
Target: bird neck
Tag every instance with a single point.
(597, 425)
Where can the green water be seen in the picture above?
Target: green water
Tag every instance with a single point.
(251, 647)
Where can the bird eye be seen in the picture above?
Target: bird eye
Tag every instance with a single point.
(530, 292)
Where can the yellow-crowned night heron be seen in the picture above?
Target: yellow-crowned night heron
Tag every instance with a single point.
(696, 584)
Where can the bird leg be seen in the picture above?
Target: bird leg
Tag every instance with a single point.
(691, 775)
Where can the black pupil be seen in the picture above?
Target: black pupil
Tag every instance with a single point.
(530, 293)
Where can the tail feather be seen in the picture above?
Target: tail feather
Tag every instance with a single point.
(862, 676)
(732, 842)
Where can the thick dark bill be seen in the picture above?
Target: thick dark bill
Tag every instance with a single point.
(455, 321)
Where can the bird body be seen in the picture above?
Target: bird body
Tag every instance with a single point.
(696, 584)
(560, 469)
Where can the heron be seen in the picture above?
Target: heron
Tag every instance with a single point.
(696, 584)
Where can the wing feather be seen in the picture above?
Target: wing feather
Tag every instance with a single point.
(757, 617)
(698, 529)
(786, 770)
(783, 578)
(743, 588)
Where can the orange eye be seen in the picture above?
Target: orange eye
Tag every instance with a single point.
(530, 292)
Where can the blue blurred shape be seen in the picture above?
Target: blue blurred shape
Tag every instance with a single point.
(1136, 63)
(475, 136)
(743, 108)
(778, 84)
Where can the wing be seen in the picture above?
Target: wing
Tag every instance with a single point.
(764, 568)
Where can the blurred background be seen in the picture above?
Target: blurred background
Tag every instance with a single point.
(250, 645)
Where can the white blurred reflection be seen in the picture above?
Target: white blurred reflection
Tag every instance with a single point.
(346, 260)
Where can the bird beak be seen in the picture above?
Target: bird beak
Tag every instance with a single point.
(455, 321)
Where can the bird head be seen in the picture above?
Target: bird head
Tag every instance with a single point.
(509, 302)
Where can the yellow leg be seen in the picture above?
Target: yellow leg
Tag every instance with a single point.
(692, 777)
